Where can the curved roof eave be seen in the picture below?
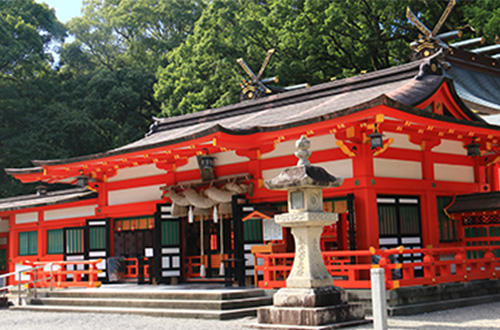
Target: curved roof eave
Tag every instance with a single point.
(400, 97)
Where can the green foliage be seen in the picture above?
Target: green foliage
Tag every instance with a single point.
(26, 28)
(315, 41)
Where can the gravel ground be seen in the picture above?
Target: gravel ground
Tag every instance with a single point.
(480, 317)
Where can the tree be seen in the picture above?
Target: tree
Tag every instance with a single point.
(315, 41)
(26, 29)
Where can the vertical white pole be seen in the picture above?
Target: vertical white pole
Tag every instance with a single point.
(202, 267)
(379, 301)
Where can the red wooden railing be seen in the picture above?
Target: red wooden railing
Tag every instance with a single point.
(350, 269)
(64, 277)
(132, 268)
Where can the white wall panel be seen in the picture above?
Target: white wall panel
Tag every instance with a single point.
(4, 225)
(191, 165)
(456, 173)
(401, 169)
(339, 168)
(226, 158)
(70, 212)
(322, 142)
(26, 217)
(135, 195)
(450, 147)
(136, 172)
(401, 141)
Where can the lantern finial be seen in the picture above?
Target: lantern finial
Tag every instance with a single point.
(302, 153)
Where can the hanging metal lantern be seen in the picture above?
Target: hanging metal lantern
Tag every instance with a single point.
(207, 165)
(376, 139)
(473, 149)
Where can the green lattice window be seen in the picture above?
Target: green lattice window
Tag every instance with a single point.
(170, 233)
(28, 243)
(447, 226)
(74, 241)
(55, 243)
(3, 259)
(97, 236)
(253, 230)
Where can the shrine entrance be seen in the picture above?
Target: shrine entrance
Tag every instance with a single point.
(206, 245)
(399, 224)
(134, 241)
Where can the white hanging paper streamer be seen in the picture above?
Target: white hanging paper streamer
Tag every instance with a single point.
(190, 214)
(203, 273)
(215, 215)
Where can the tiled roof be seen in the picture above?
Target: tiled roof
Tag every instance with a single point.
(476, 202)
(50, 198)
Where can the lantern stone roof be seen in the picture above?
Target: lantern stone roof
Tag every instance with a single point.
(49, 198)
(477, 202)
(303, 176)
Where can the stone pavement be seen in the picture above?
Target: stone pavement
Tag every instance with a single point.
(479, 317)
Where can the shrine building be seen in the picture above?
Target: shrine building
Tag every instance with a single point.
(187, 201)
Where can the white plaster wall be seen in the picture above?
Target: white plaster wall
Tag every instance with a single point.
(228, 157)
(322, 142)
(70, 212)
(392, 168)
(4, 225)
(339, 168)
(136, 172)
(191, 165)
(269, 174)
(134, 195)
(450, 147)
(455, 173)
(26, 217)
(401, 141)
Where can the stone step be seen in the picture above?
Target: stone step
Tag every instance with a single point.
(214, 295)
(159, 312)
(226, 304)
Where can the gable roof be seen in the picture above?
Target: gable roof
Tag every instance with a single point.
(401, 87)
(50, 198)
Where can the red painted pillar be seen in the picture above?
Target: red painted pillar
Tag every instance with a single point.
(42, 237)
(365, 199)
(428, 203)
(494, 177)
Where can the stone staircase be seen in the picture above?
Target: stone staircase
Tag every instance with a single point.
(205, 304)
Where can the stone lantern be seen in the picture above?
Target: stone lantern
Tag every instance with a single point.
(309, 299)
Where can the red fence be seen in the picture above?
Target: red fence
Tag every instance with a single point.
(65, 274)
(351, 269)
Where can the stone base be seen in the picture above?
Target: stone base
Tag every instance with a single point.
(305, 327)
(313, 297)
(315, 316)
(310, 308)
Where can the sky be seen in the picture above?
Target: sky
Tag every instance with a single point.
(65, 9)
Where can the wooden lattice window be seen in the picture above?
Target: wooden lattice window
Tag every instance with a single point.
(28, 243)
(253, 231)
(97, 236)
(3, 259)
(447, 227)
(170, 233)
(55, 244)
